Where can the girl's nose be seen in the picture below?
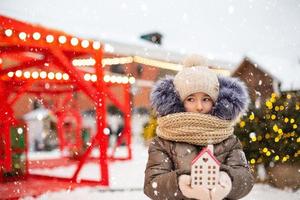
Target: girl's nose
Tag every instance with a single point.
(199, 107)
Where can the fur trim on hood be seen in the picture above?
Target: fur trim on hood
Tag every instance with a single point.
(232, 101)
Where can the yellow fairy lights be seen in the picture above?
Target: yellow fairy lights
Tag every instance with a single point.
(259, 138)
(295, 126)
(242, 124)
(285, 158)
(275, 128)
(65, 76)
(269, 104)
(251, 117)
(252, 161)
(62, 39)
(265, 150)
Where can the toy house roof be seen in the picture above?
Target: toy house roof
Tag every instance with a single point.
(206, 150)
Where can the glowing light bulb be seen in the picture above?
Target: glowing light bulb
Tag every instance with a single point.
(27, 74)
(35, 75)
(74, 41)
(36, 36)
(49, 38)
(43, 74)
(96, 45)
(62, 39)
(10, 74)
(85, 43)
(22, 36)
(8, 32)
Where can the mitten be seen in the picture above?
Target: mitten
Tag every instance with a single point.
(199, 192)
(223, 188)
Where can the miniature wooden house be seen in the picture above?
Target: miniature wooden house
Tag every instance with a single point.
(205, 169)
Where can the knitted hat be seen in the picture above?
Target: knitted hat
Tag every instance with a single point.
(196, 77)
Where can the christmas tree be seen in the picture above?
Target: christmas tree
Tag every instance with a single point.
(270, 132)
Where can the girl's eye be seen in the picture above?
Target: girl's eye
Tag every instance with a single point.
(190, 99)
(207, 99)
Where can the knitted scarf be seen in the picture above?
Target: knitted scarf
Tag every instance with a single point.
(194, 128)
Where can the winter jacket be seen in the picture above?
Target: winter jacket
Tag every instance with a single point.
(168, 160)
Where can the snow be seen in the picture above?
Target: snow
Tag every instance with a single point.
(226, 30)
(126, 179)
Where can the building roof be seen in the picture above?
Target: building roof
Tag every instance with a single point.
(206, 150)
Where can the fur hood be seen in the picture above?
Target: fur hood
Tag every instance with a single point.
(232, 101)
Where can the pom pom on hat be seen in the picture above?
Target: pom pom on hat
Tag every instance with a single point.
(194, 60)
(196, 77)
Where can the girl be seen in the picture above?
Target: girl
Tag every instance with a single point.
(195, 109)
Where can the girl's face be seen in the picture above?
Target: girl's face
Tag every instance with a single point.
(198, 103)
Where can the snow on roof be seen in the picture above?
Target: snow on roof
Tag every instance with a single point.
(286, 71)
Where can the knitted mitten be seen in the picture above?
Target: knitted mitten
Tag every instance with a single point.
(223, 188)
(198, 192)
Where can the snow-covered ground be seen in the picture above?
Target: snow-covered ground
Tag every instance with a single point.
(259, 192)
(126, 181)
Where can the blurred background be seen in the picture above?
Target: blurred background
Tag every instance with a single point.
(141, 42)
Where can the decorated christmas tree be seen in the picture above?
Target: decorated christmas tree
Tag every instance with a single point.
(270, 132)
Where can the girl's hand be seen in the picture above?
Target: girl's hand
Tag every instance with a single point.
(223, 188)
(199, 192)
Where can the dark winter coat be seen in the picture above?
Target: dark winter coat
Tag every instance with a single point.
(168, 160)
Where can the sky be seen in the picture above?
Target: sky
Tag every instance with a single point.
(225, 30)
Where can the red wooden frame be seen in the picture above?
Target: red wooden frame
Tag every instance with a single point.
(17, 39)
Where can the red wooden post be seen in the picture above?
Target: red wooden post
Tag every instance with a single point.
(127, 120)
(78, 137)
(7, 149)
(60, 122)
(5, 118)
(101, 118)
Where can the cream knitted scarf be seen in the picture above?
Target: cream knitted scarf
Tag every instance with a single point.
(194, 128)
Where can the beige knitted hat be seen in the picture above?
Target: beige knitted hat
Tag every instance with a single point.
(196, 77)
